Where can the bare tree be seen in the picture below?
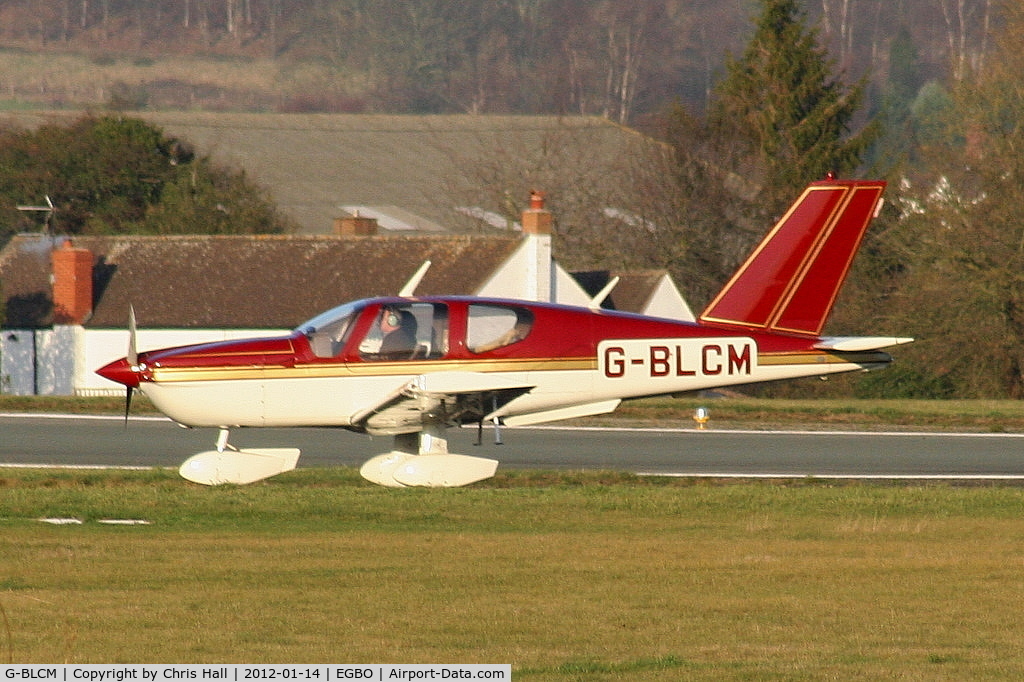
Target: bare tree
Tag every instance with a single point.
(966, 23)
(626, 31)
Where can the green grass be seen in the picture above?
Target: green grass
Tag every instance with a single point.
(960, 415)
(566, 576)
(74, 405)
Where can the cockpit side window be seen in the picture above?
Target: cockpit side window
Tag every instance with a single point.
(328, 332)
(494, 326)
(407, 331)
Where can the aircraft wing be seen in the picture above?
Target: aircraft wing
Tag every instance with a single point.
(438, 397)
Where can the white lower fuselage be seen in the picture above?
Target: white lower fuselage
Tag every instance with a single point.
(331, 395)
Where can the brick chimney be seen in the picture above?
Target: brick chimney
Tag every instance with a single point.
(355, 226)
(72, 284)
(536, 219)
(536, 222)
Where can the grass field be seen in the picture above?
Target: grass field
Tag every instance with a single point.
(565, 576)
(959, 415)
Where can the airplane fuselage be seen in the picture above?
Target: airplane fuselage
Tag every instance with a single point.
(570, 356)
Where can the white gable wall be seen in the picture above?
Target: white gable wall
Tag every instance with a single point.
(667, 301)
(531, 275)
(568, 290)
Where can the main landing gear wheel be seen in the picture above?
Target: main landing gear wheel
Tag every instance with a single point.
(431, 465)
(228, 464)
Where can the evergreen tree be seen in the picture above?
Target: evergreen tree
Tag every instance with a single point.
(896, 143)
(787, 112)
(778, 120)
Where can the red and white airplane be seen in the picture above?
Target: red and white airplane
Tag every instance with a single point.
(410, 367)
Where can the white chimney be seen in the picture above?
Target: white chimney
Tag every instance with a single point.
(536, 223)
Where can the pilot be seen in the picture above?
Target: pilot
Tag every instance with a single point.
(399, 330)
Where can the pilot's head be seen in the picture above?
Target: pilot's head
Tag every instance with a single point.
(390, 320)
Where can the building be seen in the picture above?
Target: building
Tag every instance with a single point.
(67, 300)
(414, 173)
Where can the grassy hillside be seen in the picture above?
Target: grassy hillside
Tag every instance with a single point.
(77, 81)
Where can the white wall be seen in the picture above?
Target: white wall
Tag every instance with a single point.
(517, 276)
(667, 301)
(102, 346)
(97, 347)
(17, 362)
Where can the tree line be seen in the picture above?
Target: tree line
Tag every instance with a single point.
(944, 261)
(593, 57)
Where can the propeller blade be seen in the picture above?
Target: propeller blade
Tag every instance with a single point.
(133, 352)
(133, 360)
(127, 405)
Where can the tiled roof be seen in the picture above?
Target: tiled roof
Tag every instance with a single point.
(631, 294)
(242, 281)
(314, 164)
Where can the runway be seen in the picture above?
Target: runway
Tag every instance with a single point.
(65, 440)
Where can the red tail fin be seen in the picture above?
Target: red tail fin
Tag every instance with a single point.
(791, 280)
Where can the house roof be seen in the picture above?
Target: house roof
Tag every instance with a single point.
(313, 165)
(242, 281)
(631, 294)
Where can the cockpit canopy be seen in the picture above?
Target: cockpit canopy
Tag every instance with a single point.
(415, 330)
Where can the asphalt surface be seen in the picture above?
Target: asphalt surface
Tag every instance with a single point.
(157, 442)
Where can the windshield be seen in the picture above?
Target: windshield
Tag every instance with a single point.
(328, 331)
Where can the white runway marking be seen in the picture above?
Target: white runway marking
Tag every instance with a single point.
(778, 432)
(610, 429)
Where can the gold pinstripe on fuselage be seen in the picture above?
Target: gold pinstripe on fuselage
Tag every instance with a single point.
(333, 370)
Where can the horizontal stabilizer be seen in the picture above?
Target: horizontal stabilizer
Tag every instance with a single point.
(860, 343)
(238, 466)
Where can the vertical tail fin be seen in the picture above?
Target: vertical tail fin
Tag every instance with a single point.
(791, 280)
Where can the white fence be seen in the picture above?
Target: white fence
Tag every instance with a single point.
(64, 360)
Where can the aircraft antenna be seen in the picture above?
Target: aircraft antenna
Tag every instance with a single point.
(414, 281)
(48, 210)
(596, 302)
